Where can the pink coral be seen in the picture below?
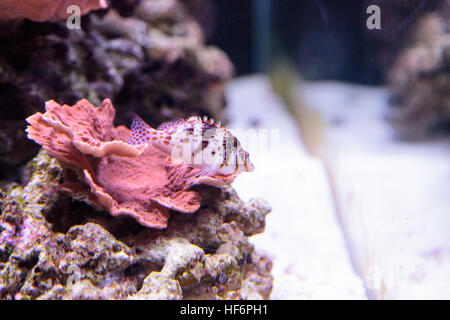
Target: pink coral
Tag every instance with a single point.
(133, 180)
(45, 10)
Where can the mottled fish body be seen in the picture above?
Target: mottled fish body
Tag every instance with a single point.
(199, 142)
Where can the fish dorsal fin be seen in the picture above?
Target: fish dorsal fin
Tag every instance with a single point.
(170, 124)
(211, 122)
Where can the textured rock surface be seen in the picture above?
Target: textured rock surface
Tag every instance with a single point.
(162, 71)
(55, 248)
(420, 78)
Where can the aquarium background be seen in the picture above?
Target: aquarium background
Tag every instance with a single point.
(323, 39)
(340, 109)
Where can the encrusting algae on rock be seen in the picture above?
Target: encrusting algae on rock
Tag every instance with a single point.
(137, 180)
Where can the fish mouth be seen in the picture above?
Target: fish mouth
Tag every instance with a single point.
(250, 167)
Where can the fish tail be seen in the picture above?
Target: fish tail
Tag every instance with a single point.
(141, 132)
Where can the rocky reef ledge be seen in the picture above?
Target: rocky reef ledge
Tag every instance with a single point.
(55, 247)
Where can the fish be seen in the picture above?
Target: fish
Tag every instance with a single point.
(199, 142)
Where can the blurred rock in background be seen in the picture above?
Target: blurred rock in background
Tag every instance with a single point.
(419, 79)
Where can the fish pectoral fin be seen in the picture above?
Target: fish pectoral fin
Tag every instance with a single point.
(202, 173)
